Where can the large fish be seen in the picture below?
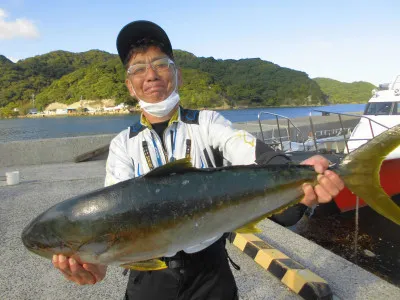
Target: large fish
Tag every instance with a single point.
(173, 207)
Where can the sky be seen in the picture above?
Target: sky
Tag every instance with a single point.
(348, 41)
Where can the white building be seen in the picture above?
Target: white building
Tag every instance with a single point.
(61, 111)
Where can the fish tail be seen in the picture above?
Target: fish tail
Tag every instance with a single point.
(360, 172)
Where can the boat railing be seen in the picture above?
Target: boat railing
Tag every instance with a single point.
(343, 129)
(334, 139)
(334, 132)
(273, 140)
(396, 83)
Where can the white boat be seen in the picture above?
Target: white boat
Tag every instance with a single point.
(381, 113)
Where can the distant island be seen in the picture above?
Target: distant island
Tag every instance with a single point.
(32, 84)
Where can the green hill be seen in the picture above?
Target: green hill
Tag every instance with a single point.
(254, 82)
(343, 92)
(4, 61)
(101, 80)
(66, 77)
(19, 81)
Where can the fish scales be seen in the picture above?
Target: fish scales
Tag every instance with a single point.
(169, 213)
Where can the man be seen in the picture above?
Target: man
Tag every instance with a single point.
(167, 132)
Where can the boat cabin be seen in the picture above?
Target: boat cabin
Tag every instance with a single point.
(381, 113)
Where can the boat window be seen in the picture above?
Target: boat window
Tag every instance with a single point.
(378, 108)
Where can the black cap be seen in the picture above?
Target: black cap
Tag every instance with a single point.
(138, 30)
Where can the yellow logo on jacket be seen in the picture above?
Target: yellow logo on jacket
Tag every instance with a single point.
(247, 138)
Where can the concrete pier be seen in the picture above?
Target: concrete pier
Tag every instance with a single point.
(47, 151)
(27, 276)
(46, 181)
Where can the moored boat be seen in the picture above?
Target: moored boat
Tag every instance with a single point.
(381, 113)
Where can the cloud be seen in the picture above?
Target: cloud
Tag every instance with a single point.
(16, 29)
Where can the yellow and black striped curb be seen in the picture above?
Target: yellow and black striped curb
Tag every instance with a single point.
(295, 276)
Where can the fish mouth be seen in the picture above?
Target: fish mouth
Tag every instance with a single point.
(26, 237)
(46, 253)
(41, 241)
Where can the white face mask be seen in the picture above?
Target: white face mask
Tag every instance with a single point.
(163, 108)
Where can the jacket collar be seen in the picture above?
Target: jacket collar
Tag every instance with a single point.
(176, 117)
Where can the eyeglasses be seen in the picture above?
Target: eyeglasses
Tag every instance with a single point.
(159, 65)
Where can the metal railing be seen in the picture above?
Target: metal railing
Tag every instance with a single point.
(289, 122)
(370, 121)
(343, 131)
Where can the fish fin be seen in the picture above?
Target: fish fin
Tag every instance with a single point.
(360, 172)
(178, 166)
(285, 207)
(252, 228)
(249, 228)
(146, 265)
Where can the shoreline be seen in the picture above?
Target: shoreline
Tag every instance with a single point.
(137, 111)
(302, 122)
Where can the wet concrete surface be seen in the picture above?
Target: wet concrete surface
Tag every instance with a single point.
(378, 239)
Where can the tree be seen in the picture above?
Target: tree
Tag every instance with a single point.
(66, 77)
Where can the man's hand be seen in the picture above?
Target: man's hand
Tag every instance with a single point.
(329, 183)
(80, 274)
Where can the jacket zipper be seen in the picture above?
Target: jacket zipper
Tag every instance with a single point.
(155, 138)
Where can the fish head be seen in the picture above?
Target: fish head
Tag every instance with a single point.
(41, 237)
